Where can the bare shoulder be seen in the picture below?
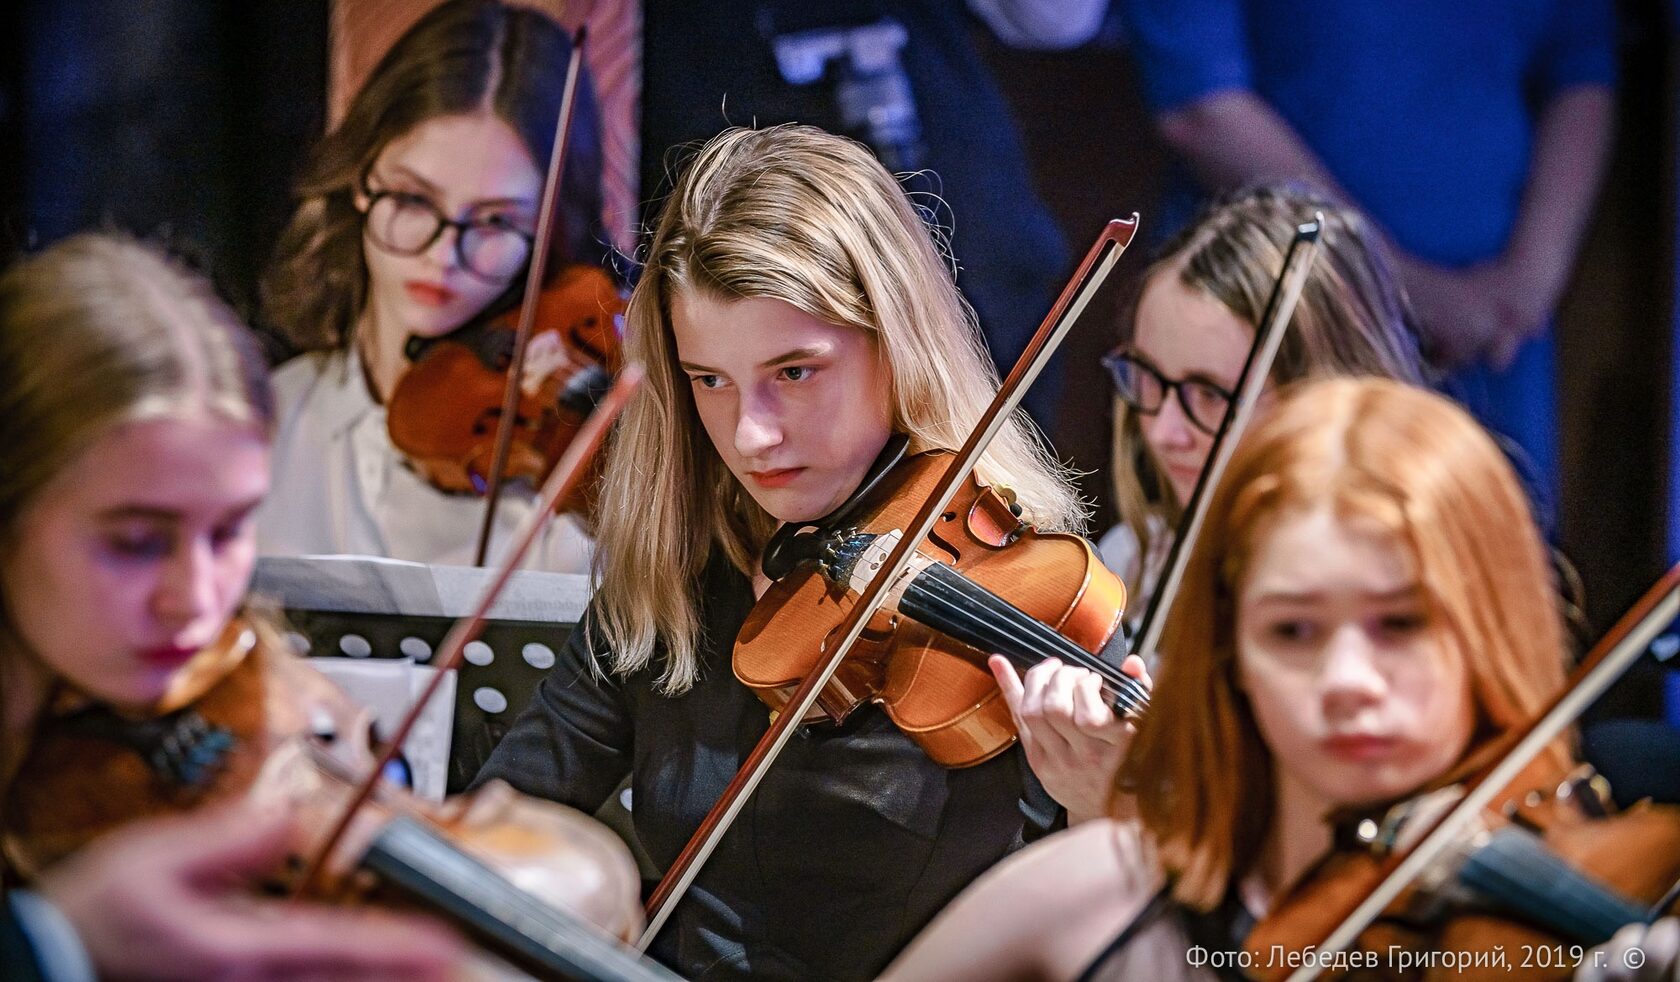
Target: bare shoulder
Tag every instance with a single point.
(1091, 859)
(1043, 913)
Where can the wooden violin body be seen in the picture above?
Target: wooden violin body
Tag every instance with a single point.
(933, 685)
(1545, 876)
(445, 408)
(266, 727)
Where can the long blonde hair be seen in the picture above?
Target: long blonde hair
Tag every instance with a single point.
(1352, 318)
(96, 331)
(793, 214)
(1419, 468)
(101, 329)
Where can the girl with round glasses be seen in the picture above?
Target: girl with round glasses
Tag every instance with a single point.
(1176, 369)
(416, 216)
(1174, 374)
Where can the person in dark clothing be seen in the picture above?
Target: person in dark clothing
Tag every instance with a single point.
(794, 313)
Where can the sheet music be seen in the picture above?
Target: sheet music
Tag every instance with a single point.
(370, 585)
(389, 687)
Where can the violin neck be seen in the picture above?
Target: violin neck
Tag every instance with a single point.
(510, 922)
(942, 598)
(1515, 872)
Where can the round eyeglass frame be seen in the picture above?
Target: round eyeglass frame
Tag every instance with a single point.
(462, 232)
(1117, 364)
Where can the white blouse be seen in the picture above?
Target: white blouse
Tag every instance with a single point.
(341, 487)
(1118, 550)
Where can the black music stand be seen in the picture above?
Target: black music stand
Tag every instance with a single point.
(358, 614)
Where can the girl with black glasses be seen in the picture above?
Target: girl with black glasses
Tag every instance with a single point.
(1178, 362)
(416, 216)
(1174, 374)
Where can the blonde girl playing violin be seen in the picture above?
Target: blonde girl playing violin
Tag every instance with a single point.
(134, 445)
(417, 215)
(1174, 375)
(794, 314)
(1369, 603)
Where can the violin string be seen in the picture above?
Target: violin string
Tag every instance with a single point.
(1002, 619)
(959, 601)
(1127, 693)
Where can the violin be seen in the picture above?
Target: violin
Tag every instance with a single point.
(1542, 876)
(444, 411)
(1513, 865)
(923, 655)
(246, 718)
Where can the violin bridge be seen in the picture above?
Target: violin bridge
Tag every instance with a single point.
(860, 558)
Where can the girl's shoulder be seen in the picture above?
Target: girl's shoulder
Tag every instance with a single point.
(1044, 912)
(1119, 550)
(1102, 857)
(295, 379)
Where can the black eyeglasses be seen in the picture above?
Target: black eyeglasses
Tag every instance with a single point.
(406, 224)
(1145, 389)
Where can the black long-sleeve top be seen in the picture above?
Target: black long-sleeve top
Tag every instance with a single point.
(852, 842)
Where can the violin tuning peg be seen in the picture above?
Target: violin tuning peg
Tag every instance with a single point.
(1010, 499)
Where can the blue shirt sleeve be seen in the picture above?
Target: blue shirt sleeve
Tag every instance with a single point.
(1187, 49)
(1579, 48)
(58, 952)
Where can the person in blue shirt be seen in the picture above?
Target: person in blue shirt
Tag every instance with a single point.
(1475, 134)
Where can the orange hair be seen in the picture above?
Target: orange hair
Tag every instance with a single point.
(1373, 450)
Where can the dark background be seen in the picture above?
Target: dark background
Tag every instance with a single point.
(187, 120)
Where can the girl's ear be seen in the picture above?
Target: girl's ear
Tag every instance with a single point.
(359, 189)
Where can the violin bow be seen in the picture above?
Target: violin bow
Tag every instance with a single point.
(1256, 371)
(546, 213)
(572, 467)
(1604, 664)
(1090, 275)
